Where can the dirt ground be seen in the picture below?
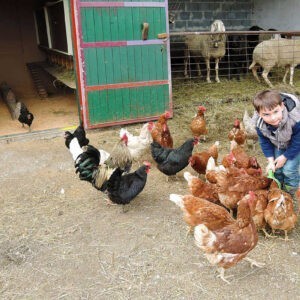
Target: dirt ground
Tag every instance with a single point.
(57, 111)
(60, 240)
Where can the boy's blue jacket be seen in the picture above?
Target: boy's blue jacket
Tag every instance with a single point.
(286, 135)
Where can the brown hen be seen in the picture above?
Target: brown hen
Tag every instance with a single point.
(224, 240)
(199, 188)
(212, 170)
(233, 186)
(260, 204)
(201, 211)
(240, 155)
(198, 124)
(279, 213)
(229, 243)
(160, 132)
(228, 160)
(198, 160)
(237, 133)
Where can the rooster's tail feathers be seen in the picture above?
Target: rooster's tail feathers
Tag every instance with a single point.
(177, 199)
(100, 177)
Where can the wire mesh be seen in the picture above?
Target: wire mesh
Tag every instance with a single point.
(188, 62)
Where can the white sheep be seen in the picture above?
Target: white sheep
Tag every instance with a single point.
(276, 52)
(206, 46)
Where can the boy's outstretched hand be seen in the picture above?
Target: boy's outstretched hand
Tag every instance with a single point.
(280, 161)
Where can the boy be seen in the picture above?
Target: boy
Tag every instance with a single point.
(278, 129)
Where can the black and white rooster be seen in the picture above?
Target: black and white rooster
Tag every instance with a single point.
(17, 108)
(79, 133)
(89, 162)
(23, 115)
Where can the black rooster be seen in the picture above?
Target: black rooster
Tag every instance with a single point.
(79, 133)
(121, 189)
(23, 114)
(171, 161)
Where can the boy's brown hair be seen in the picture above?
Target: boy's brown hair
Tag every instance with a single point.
(266, 100)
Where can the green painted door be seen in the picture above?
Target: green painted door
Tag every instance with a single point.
(123, 68)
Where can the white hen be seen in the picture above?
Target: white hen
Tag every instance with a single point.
(139, 144)
(249, 125)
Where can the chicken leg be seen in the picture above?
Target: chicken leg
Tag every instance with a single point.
(267, 234)
(190, 230)
(286, 238)
(254, 263)
(222, 275)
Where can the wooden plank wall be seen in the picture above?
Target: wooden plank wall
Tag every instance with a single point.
(126, 79)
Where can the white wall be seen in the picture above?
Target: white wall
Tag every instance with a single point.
(277, 14)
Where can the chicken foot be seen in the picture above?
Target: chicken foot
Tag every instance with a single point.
(172, 178)
(222, 275)
(109, 202)
(286, 238)
(125, 209)
(254, 263)
(267, 234)
(189, 231)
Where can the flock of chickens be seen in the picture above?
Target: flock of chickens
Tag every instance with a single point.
(227, 204)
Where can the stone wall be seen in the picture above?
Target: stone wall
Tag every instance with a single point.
(197, 15)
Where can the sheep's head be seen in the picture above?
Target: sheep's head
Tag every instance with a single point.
(217, 26)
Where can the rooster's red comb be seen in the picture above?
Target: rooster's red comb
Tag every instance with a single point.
(237, 122)
(147, 164)
(167, 114)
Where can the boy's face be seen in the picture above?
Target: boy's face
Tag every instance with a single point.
(273, 116)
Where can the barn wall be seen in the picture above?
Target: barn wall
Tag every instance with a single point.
(282, 15)
(197, 15)
(18, 44)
